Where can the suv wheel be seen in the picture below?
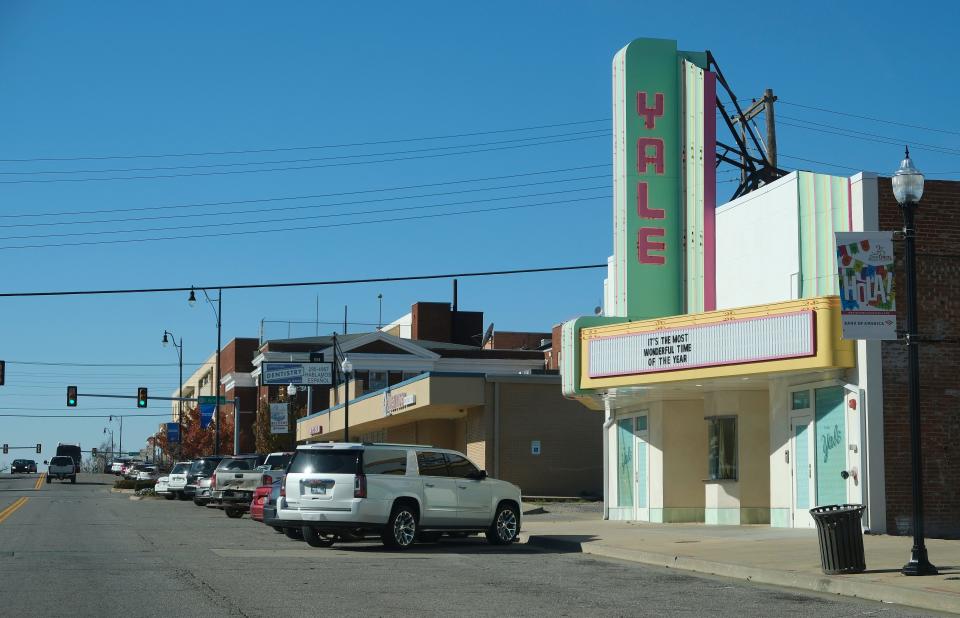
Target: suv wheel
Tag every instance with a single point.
(401, 528)
(293, 533)
(73, 479)
(233, 513)
(315, 539)
(505, 526)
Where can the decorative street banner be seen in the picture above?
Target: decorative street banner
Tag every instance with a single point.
(173, 433)
(867, 295)
(278, 418)
(206, 414)
(296, 373)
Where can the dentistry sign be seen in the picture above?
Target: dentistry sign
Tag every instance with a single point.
(867, 293)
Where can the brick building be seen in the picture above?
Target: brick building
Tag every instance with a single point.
(938, 286)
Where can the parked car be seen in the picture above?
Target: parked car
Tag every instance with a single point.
(161, 488)
(402, 493)
(201, 496)
(127, 466)
(23, 466)
(145, 472)
(177, 479)
(200, 469)
(269, 516)
(260, 496)
(61, 468)
(234, 481)
(116, 467)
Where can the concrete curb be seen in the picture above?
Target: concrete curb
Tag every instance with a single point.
(114, 490)
(845, 585)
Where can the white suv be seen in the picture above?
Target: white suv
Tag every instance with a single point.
(400, 492)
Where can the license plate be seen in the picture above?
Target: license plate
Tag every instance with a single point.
(318, 490)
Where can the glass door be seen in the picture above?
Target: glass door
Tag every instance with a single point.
(642, 470)
(803, 447)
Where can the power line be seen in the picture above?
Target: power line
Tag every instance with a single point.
(299, 167)
(375, 211)
(870, 118)
(307, 207)
(305, 197)
(168, 415)
(592, 132)
(295, 148)
(301, 228)
(77, 364)
(861, 135)
(254, 286)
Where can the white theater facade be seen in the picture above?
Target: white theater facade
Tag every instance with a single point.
(728, 394)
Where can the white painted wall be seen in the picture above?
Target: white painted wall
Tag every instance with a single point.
(758, 253)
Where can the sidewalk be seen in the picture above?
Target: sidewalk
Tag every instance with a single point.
(776, 556)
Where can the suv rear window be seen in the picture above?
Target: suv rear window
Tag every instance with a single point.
(325, 461)
(204, 466)
(237, 464)
(61, 461)
(384, 461)
(180, 468)
(279, 462)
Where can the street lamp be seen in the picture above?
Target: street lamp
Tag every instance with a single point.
(291, 390)
(217, 313)
(347, 367)
(112, 454)
(179, 348)
(908, 189)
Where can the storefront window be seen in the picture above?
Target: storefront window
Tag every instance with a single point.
(625, 462)
(800, 400)
(722, 443)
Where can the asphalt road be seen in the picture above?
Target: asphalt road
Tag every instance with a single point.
(80, 550)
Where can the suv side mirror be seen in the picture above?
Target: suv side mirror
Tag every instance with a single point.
(479, 475)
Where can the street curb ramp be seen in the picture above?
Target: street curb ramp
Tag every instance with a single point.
(844, 585)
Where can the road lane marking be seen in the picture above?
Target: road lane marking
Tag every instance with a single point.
(39, 480)
(10, 510)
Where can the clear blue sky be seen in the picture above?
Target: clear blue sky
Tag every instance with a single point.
(121, 79)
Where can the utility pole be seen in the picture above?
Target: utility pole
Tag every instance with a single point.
(768, 100)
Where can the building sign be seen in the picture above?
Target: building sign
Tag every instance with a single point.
(535, 447)
(773, 337)
(316, 430)
(394, 402)
(173, 433)
(867, 295)
(278, 418)
(650, 136)
(296, 373)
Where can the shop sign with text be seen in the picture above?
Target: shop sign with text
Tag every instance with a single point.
(730, 342)
(297, 373)
(278, 418)
(867, 294)
(394, 402)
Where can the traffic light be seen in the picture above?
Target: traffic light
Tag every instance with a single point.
(6, 449)
(38, 448)
(93, 451)
(3, 371)
(71, 396)
(142, 397)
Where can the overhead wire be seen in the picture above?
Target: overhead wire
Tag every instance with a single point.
(298, 148)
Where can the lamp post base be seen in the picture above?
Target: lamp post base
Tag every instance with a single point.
(919, 563)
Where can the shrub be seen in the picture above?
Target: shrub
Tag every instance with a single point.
(135, 485)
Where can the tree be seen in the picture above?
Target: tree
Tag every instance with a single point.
(195, 441)
(98, 463)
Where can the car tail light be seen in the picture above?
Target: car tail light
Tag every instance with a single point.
(360, 486)
(267, 480)
(213, 480)
(283, 489)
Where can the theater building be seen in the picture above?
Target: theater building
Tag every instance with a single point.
(728, 393)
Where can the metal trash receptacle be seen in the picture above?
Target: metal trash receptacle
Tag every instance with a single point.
(840, 529)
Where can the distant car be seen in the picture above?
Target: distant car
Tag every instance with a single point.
(146, 473)
(127, 466)
(61, 468)
(177, 480)
(161, 488)
(116, 467)
(200, 469)
(23, 466)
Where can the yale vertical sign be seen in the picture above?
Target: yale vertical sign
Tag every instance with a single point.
(647, 277)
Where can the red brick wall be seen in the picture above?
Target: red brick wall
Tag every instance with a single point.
(938, 285)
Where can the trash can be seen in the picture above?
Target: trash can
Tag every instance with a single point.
(841, 538)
